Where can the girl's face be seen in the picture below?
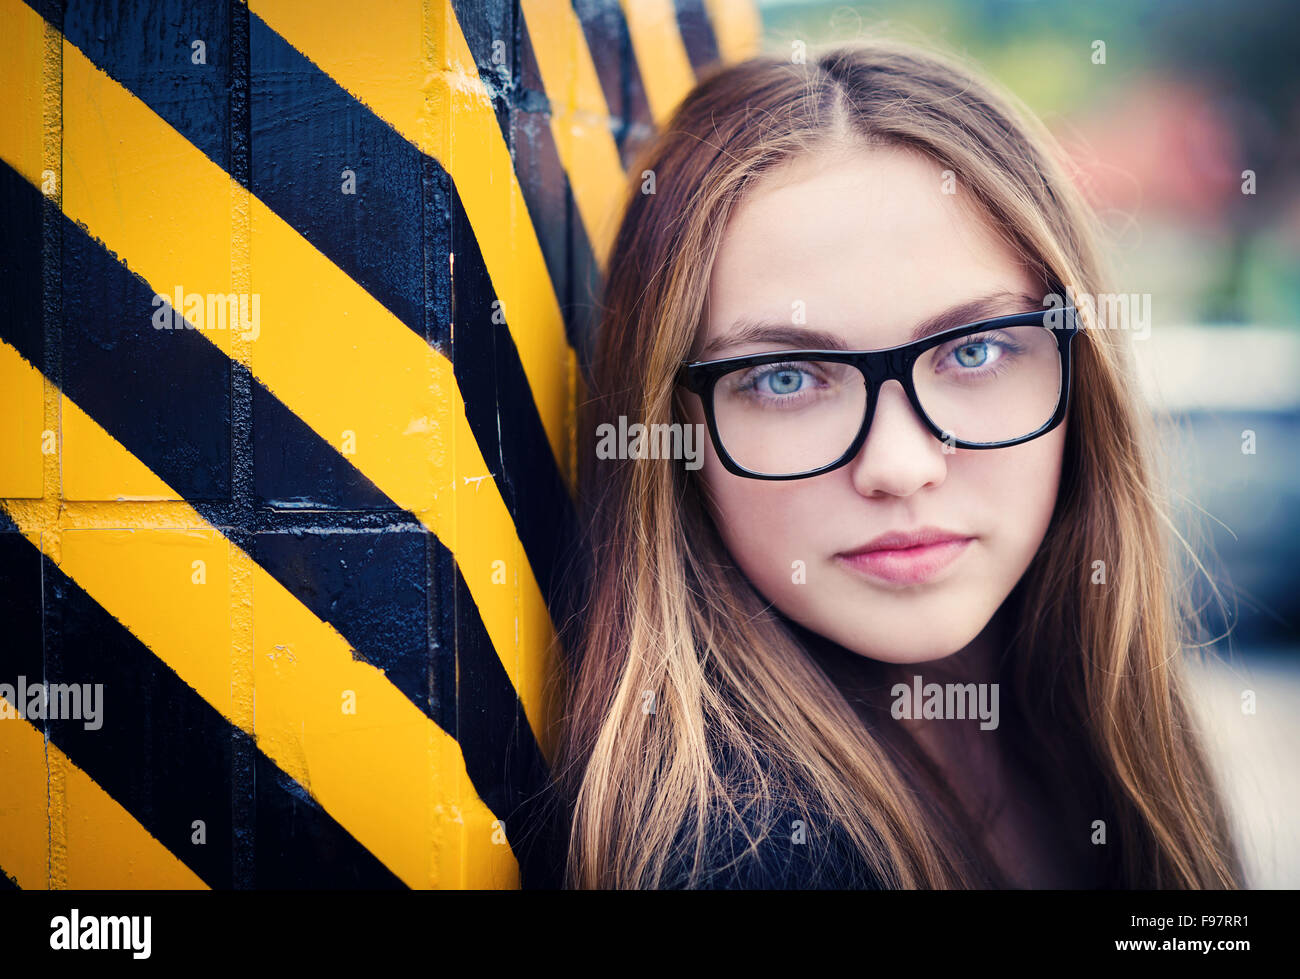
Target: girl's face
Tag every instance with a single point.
(866, 245)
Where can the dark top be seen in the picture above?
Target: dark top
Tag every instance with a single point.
(815, 856)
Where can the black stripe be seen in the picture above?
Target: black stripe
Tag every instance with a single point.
(293, 468)
(22, 268)
(489, 32)
(306, 133)
(561, 230)
(20, 613)
(148, 48)
(501, 756)
(20, 596)
(536, 497)
(697, 34)
(167, 756)
(165, 393)
(603, 23)
(371, 585)
(610, 44)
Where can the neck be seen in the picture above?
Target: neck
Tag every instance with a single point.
(869, 681)
(969, 761)
(979, 661)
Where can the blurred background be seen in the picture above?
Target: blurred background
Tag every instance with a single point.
(1185, 139)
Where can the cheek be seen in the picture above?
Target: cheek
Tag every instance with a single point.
(764, 523)
(1016, 489)
(771, 528)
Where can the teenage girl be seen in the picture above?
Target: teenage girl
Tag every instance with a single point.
(973, 510)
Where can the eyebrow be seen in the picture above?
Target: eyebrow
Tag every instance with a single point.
(749, 330)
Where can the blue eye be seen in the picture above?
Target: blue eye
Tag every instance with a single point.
(972, 354)
(977, 355)
(786, 385)
(784, 381)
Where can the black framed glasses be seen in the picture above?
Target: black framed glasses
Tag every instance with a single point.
(791, 414)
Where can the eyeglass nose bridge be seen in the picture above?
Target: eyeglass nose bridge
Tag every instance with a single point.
(884, 365)
(879, 367)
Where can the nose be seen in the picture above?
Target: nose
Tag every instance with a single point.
(900, 454)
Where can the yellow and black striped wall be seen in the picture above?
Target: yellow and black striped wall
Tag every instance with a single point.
(293, 300)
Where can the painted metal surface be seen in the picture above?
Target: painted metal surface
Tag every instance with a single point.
(309, 555)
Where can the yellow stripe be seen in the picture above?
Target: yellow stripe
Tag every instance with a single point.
(388, 774)
(29, 77)
(24, 822)
(660, 54)
(24, 64)
(418, 75)
(103, 847)
(737, 26)
(580, 121)
(333, 354)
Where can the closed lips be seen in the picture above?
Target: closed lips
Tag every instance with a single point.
(904, 540)
(913, 558)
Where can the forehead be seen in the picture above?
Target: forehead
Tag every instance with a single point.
(865, 243)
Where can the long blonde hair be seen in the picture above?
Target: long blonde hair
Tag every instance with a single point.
(665, 618)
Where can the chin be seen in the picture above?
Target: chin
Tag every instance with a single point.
(917, 642)
(918, 654)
